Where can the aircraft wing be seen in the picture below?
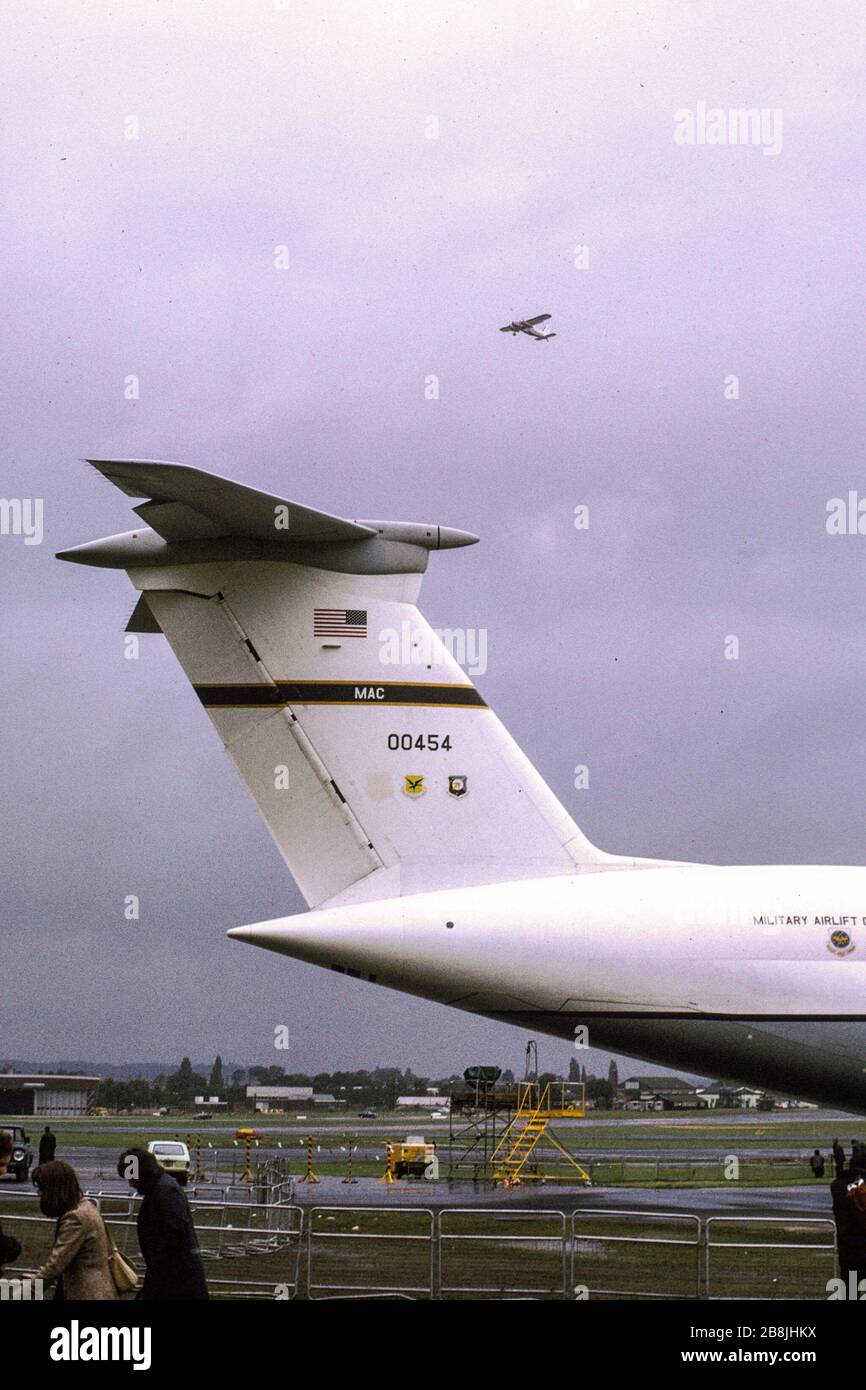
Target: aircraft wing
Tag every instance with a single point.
(539, 318)
(188, 503)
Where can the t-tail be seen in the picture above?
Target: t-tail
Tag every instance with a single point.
(378, 766)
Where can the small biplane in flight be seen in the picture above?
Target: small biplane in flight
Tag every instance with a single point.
(528, 326)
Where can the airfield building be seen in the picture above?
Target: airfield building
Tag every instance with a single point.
(264, 1098)
(46, 1095)
(657, 1093)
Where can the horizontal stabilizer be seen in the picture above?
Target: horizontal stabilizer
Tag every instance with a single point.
(191, 503)
(191, 517)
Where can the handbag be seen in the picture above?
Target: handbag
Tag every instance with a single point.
(123, 1275)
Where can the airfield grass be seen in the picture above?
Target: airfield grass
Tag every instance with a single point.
(601, 1127)
(613, 1132)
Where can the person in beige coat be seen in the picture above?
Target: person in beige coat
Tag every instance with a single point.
(79, 1259)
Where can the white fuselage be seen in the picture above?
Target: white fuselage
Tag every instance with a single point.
(756, 975)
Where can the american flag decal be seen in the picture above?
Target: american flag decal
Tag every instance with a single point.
(339, 622)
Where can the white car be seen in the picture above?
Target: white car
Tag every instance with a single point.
(173, 1156)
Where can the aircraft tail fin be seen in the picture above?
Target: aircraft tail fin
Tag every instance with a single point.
(377, 765)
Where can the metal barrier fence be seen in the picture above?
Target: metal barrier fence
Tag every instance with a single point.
(270, 1251)
(608, 1259)
(507, 1252)
(798, 1267)
(279, 1193)
(250, 1249)
(356, 1250)
(752, 1170)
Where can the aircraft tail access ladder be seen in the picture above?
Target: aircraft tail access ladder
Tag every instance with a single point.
(537, 1105)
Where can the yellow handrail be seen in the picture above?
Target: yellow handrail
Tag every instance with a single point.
(525, 1111)
(537, 1105)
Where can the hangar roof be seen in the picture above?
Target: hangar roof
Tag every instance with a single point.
(21, 1081)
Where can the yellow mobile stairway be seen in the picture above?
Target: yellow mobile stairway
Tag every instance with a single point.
(538, 1104)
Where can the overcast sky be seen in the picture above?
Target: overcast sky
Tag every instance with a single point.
(307, 125)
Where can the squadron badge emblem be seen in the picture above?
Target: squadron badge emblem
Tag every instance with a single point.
(414, 785)
(458, 786)
(840, 943)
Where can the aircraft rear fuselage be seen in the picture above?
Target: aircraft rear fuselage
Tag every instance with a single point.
(750, 975)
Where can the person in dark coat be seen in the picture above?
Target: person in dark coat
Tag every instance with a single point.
(166, 1234)
(850, 1232)
(838, 1157)
(816, 1163)
(47, 1146)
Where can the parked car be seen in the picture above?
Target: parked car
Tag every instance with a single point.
(22, 1154)
(173, 1156)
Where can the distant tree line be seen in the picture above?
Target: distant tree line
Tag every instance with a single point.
(376, 1089)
